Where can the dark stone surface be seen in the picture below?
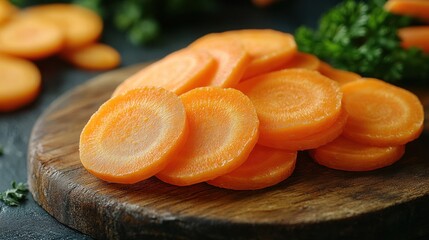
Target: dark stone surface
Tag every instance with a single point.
(29, 221)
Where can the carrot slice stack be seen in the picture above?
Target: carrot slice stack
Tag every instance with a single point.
(293, 104)
(133, 136)
(223, 129)
(268, 48)
(347, 155)
(179, 72)
(412, 8)
(338, 75)
(96, 56)
(381, 114)
(20, 83)
(303, 60)
(231, 58)
(416, 36)
(264, 167)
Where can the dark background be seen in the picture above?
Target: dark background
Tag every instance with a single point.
(29, 221)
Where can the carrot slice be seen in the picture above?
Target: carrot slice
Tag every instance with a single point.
(268, 48)
(232, 60)
(30, 38)
(263, 168)
(417, 36)
(133, 148)
(223, 129)
(344, 154)
(20, 83)
(179, 72)
(96, 56)
(413, 8)
(303, 60)
(293, 103)
(315, 140)
(7, 10)
(381, 114)
(80, 26)
(338, 75)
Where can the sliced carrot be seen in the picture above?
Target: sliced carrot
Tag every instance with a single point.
(133, 136)
(381, 114)
(232, 60)
(338, 75)
(263, 168)
(96, 56)
(80, 26)
(344, 154)
(417, 36)
(7, 10)
(303, 60)
(30, 38)
(293, 103)
(413, 8)
(179, 72)
(20, 83)
(268, 48)
(223, 129)
(315, 140)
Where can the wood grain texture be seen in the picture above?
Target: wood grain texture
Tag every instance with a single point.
(315, 203)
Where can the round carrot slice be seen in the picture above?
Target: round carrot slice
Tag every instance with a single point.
(263, 168)
(179, 72)
(223, 129)
(315, 140)
(412, 8)
(80, 26)
(338, 75)
(269, 49)
(30, 38)
(133, 148)
(96, 56)
(344, 154)
(293, 103)
(20, 83)
(7, 10)
(232, 60)
(303, 60)
(416, 36)
(381, 114)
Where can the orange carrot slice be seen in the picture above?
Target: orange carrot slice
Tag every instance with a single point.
(268, 48)
(315, 140)
(30, 38)
(232, 60)
(293, 103)
(96, 56)
(223, 129)
(413, 8)
(179, 72)
(381, 114)
(303, 60)
(338, 75)
(263, 168)
(133, 148)
(80, 26)
(20, 83)
(417, 36)
(344, 154)
(7, 10)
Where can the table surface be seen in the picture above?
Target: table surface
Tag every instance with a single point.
(30, 221)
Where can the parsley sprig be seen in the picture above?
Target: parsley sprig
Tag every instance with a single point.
(362, 37)
(15, 195)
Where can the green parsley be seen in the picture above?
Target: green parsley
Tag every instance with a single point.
(362, 37)
(13, 197)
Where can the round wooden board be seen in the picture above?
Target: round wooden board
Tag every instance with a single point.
(315, 203)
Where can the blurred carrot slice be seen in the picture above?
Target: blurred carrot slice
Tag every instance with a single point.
(80, 26)
(416, 36)
(263, 168)
(96, 56)
(338, 75)
(30, 38)
(7, 10)
(412, 8)
(20, 83)
(303, 60)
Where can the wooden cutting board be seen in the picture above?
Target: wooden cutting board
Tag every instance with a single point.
(315, 203)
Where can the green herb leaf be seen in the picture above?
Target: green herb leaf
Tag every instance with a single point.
(15, 195)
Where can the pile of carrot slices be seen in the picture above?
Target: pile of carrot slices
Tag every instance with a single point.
(234, 108)
(42, 31)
